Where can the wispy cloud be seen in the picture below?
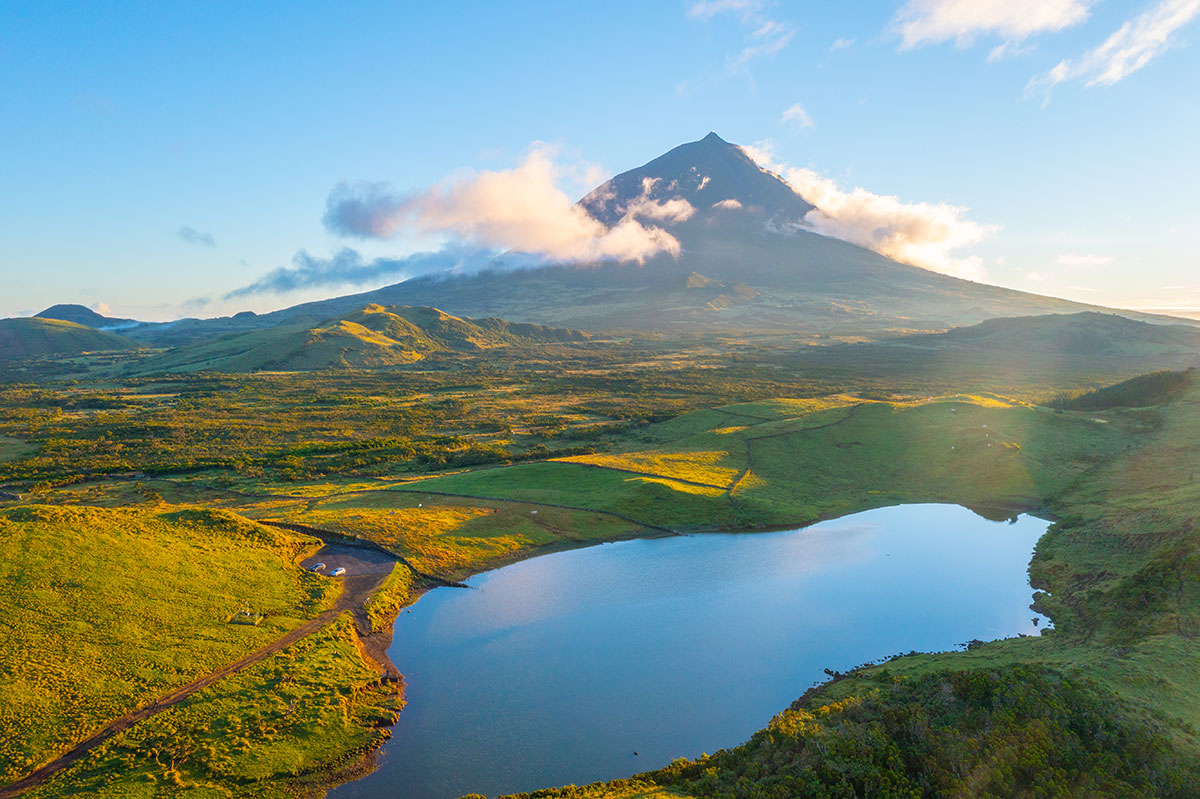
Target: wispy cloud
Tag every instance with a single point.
(1130, 48)
(710, 8)
(796, 116)
(1009, 49)
(521, 208)
(198, 237)
(767, 37)
(922, 234)
(765, 41)
(922, 22)
(347, 268)
(841, 43)
(1074, 259)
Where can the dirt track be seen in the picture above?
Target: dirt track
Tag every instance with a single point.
(355, 591)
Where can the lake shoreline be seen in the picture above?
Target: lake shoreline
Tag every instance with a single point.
(367, 763)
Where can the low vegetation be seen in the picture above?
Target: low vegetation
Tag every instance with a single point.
(1016, 731)
(34, 337)
(463, 465)
(1137, 392)
(106, 610)
(263, 733)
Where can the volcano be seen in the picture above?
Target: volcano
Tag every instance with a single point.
(746, 265)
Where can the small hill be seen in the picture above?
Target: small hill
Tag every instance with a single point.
(68, 312)
(1060, 350)
(370, 338)
(1086, 334)
(34, 337)
(1142, 391)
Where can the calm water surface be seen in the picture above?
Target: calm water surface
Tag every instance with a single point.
(556, 670)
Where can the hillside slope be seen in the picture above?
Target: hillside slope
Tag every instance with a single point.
(80, 315)
(1087, 333)
(747, 265)
(32, 337)
(371, 337)
(746, 229)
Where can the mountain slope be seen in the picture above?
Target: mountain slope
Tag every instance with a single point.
(32, 337)
(744, 230)
(81, 315)
(371, 337)
(1051, 349)
(1082, 334)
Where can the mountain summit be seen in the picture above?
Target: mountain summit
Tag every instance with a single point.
(712, 175)
(745, 264)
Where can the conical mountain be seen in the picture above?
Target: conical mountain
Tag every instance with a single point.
(745, 265)
(713, 176)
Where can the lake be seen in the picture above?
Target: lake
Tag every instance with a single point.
(558, 669)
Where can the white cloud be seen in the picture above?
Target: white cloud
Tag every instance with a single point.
(922, 234)
(766, 41)
(767, 36)
(1073, 259)
(796, 115)
(675, 209)
(923, 22)
(1009, 49)
(521, 208)
(704, 9)
(1126, 51)
(101, 308)
(728, 205)
(841, 43)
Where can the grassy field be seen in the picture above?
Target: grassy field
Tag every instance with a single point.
(106, 610)
(451, 538)
(840, 456)
(12, 449)
(1107, 704)
(259, 733)
(416, 461)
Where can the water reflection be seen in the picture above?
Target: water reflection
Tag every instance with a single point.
(558, 668)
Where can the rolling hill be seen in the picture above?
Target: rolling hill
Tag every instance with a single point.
(81, 315)
(31, 337)
(1054, 349)
(371, 337)
(1083, 334)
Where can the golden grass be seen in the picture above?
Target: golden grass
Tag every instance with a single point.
(710, 466)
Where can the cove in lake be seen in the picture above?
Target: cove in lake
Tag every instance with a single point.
(555, 670)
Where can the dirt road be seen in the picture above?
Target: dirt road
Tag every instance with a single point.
(356, 588)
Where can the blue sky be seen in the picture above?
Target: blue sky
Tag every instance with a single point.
(158, 156)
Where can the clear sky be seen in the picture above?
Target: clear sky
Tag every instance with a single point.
(158, 156)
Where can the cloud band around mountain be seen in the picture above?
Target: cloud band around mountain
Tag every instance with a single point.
(519, 209)
(921, 234)
(347, 268)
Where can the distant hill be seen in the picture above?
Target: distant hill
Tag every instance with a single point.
(87, 317)
(1088, 334)
(1054, 350)
(32, 337)
(371, 337)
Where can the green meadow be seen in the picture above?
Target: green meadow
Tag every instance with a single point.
(458, 471)
(106, 610)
